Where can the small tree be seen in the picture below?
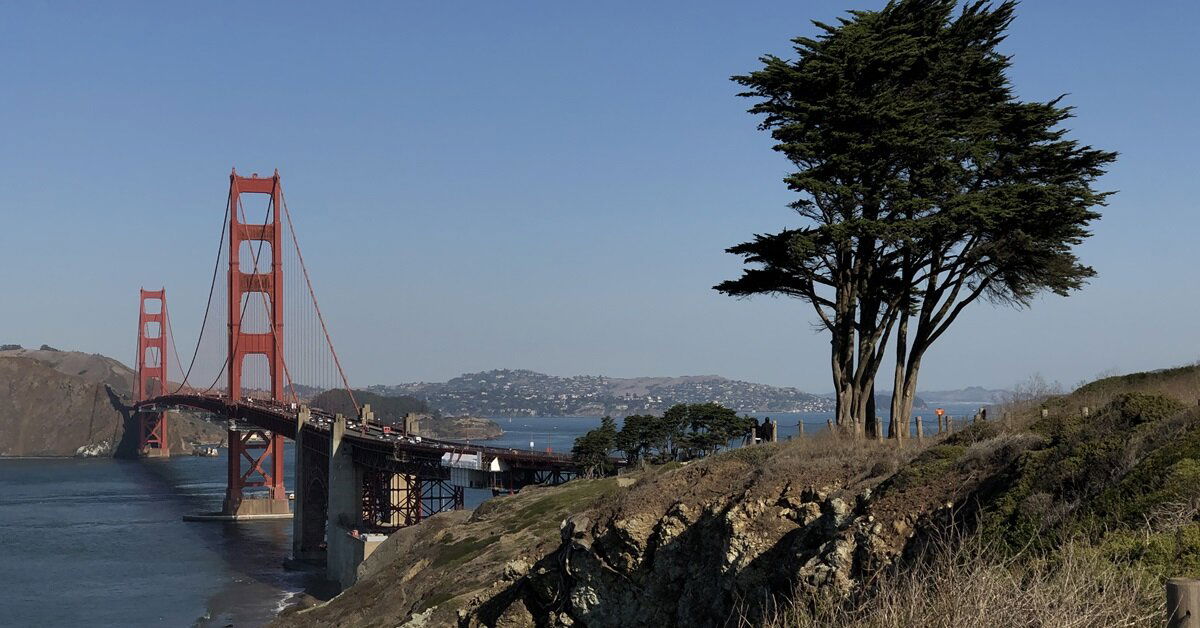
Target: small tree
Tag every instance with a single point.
(591, 451)
(709, 427)
(642, 434)
(923, 184)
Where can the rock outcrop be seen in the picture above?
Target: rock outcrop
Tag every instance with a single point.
(689, 545)
(700, 562)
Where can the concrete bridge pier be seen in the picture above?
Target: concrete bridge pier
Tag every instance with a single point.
(311, 483)
(347, 545)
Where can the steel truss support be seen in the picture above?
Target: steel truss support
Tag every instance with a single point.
(509, 482)
(262, 454)
(395, 500)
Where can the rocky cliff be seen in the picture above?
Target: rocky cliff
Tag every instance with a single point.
(675, 545)
(67, 403)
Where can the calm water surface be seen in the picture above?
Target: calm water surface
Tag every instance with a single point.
(101, 542)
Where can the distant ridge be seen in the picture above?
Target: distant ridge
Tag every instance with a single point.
(69, 403)
(507, 392)
(971, 394)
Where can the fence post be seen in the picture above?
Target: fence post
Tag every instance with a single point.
(920, 429)
(1183, 603)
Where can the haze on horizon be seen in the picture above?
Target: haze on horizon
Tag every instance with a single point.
(490, 186)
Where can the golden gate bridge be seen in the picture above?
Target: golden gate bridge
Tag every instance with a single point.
(262, 351)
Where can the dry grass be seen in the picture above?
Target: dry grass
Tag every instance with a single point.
(961, 583)
(831, 458)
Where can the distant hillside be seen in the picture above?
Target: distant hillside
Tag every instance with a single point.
(92, 368)
(59, 403)
(527, 393)
(972, 394)
(391, 410)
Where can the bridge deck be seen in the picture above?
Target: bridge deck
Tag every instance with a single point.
(282, 418)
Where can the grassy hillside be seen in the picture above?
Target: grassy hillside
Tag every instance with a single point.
(1072, 518)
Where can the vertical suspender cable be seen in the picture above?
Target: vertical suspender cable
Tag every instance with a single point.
(317, 306)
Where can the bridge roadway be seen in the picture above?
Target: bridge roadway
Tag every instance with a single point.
(356, 481)
(372, 445)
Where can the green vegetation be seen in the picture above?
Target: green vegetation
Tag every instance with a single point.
(683, 432)
(1116, 469)
(1074, 517)
(562, 502)
(922, 183)
(929, 467)
(700, 429)
(461, 550)
(592, 449)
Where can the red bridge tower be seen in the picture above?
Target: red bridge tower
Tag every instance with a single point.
(259, 451)
(152, 371)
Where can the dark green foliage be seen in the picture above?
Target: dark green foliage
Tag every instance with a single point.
(930, 466)
(685, 430)
(1165, 554)
(704, 428)
(388, 410)
(922, 183)
(591, 451)
(644, 434)
(1110, 471)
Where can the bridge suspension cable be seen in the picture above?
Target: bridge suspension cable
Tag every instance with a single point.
(312, 294)
(310, 362)
(208, 306)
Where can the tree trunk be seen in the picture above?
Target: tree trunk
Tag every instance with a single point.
(843, 353)
(872, 423)
(897, 409)
(910, 382)
(843, 395)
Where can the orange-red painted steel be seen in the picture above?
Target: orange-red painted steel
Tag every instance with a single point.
(261, 449)
(152, 371)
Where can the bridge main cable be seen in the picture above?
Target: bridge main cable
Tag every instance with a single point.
(320, 317)
(208, 307)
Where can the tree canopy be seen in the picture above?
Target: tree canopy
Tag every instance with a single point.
(684, 431)
(592, 450)
(922, 185)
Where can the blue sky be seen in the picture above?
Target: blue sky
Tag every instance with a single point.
(535, 185)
